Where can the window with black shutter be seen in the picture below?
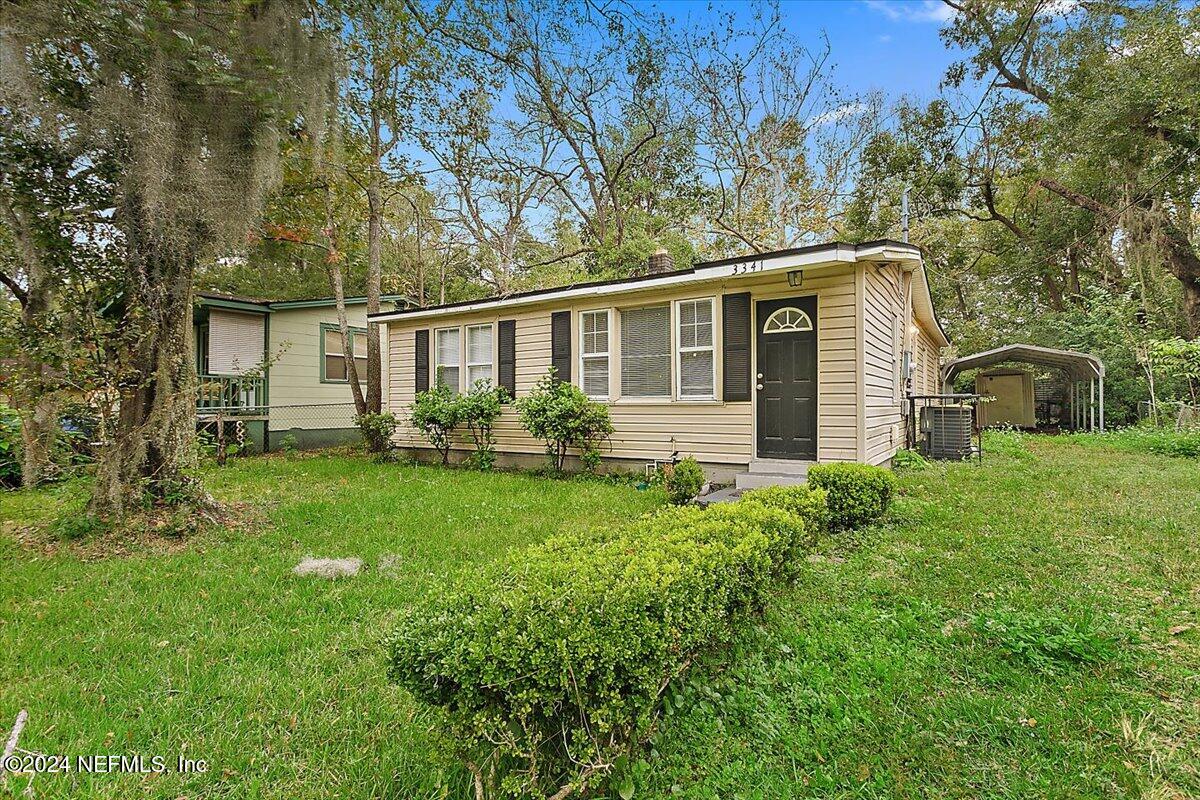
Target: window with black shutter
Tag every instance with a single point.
(560, 344)
(735, 325)
(507, 356)
(422, 360)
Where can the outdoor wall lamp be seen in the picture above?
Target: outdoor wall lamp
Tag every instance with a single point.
(796, 278)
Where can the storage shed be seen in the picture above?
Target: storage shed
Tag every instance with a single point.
(1014, 402)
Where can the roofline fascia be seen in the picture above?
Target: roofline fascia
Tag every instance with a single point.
(784, 260)
(350, 301)
(234, 305)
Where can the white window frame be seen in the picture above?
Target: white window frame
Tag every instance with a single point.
(672, 393)
(466, 349)
(677, 341)
(606, 355)
(437, 356)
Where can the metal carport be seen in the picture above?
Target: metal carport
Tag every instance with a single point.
(1085, 373)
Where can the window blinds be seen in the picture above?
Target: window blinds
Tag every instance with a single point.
(479, 354)
(646, 352)
(593, 326)
(447, 358)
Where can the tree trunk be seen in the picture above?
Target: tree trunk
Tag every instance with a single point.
(151, 445)
(39, 429)
(339, 295)
(34, 392)
(1184, 264)
(374, 265)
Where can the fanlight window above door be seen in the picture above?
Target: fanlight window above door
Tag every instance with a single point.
(786, 320)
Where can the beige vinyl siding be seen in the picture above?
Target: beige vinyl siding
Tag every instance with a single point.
(235, 341)
(712, 431)
(295, 375)
(927, 375)
(882, 310)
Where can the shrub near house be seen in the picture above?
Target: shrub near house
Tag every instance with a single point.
(858, 494)
(552, 666)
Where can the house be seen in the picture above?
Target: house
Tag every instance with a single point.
(757, 366)
(275, 368)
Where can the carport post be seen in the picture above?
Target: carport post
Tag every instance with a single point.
(1102, 404)
(1092, 405)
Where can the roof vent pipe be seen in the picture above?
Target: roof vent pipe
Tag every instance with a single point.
(660, 261)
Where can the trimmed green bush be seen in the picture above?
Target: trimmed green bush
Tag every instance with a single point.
(808, 502)
(435, 413)
(684, 480)
(562, 416)
(377, 430)
(553, 662)
(857, 494)
(479, 409)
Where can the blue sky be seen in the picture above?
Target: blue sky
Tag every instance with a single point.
(887, 45)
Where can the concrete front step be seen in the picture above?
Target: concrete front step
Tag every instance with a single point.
(780, 466)
(753, 480)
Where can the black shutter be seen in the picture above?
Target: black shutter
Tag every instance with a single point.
(422, 360)
(735, 326)
(507, 373)
(560, 344)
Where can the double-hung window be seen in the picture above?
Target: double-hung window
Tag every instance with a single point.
(334, 358)
(449, 354)
(646, 352)
(479, 354)
(593, 353)
(696, 364)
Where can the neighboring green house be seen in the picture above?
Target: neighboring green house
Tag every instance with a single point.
(277, 367)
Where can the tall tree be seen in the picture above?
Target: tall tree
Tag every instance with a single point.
(189, 100)
(1114, 91)
(776, 138)
(390, 66)
(52, 244)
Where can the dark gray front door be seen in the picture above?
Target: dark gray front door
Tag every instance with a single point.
(787, 378)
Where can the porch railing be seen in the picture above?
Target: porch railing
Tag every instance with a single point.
(233, 394)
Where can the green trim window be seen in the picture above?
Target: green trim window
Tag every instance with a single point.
(333, 361)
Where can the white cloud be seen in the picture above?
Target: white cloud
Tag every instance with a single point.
(885, 38)
(840, 113)
(912, 10)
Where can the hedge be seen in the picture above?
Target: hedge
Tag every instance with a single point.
(857, 494)
(552, 663)
(808, 502)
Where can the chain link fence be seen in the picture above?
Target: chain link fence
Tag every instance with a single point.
(281, 427)
(1169, 412)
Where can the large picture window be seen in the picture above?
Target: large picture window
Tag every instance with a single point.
(449, 354)
(479, 354)
(593, 353)
(697, 363)
(334, 359)
(646, 352)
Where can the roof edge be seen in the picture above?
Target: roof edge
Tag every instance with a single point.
(839, 251)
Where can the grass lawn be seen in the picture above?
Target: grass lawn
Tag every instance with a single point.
(922, 658)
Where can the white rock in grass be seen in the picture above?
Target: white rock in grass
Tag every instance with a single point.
(328, 567)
